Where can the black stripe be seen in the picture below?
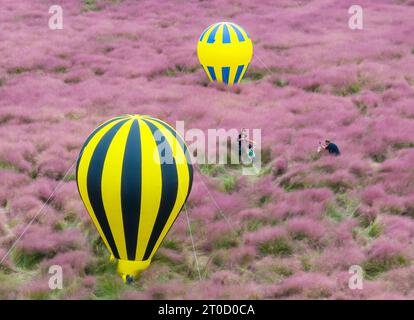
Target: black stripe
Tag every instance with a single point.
(90, 138)
(95, 182)
(131, 189)
(169, 188)
(185, 150)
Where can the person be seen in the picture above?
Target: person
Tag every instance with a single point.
(242, 137)
(250, 152)
(330, 146)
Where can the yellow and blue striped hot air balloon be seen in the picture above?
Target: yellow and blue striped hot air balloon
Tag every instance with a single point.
(134, 175)
(225, 51)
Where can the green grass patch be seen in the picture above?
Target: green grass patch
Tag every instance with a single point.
(403, 145)
(253, 75)
(109, 287)
(26, 260)
(8, 166)
(351, 89)
(278, 247)
(99, 72)
(316, 88)
(362, 107)
(229, 183)
(171, 244)
(226, 241)
(74, 80)
(90, 5)
(374, 267)
(60, 69)
(17, 70)
(254, 225)
(281, 83)
(212, 170)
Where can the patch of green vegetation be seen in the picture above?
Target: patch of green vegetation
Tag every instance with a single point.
(340, 186)
(334, 212)
(100, 265)
(278, 247)
(266, 155)
(229, 183)
(71, 177)
(186, 69)
(253, 75)
(379, 157)
(8, 166)
(90, 5)
(375, 229)
(212, 170)
(353, 88)
(281, 83)
(263, 200)
(99, 72)
(17, 70)
(343, 207)
(218, 260)
(60, 69)
(316, 88)
(283, 270)
(226, 241)
(306, 263)
(412, 51)
(2, 82)
(403, 145)
(368, 229)
(254, 224)
(73, 115)
(289, 185)
(33, 173)
(179, 68)
(362, 107)
(171, 244)
(374, 267)
(26, 260)
(74, 80)
(109, 287)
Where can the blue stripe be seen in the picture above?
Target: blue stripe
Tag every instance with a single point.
(131, 189)
(212, 73)
(225, 71)
(226, 34)
(94, 184)
(204, 32)
(212, 35)
(239, 34)
(169, 188)
(238, 73)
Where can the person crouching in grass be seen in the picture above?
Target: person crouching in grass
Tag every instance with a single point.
(331, 147)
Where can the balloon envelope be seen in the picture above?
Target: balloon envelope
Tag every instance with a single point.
(225, 51)
(134, 175)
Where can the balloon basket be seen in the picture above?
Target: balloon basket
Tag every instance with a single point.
(130, 270)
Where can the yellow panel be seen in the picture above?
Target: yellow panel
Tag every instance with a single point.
(84, 161)
(111, 186)
(151, 188)
(183, 180)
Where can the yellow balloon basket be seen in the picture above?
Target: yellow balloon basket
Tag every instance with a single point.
(225, 51)
(130, 270)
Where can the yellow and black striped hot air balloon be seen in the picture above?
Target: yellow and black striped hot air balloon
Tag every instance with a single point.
(225, 51)
(134, 175)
